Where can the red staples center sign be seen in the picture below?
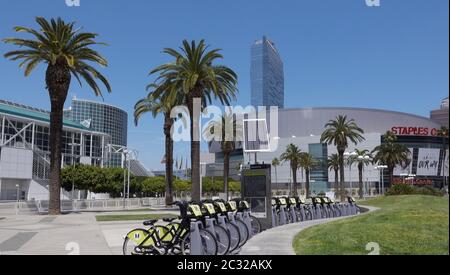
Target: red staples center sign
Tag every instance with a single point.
(414, 131)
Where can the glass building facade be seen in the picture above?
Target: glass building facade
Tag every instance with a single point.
(267, 75)
(319, 174)
(102, 118)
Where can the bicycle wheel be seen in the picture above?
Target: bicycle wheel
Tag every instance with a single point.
(223, 240)
(243, 230)
(235, 236)
(135, 241)
(208, 243)
(256, 225)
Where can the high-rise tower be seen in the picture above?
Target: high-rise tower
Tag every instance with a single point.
(267, 75)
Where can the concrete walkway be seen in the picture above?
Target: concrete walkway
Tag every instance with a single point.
(278, 240)
(75, 233)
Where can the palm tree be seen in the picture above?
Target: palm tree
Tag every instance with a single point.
(391, 154)
(194, 73)
(292, 154)
(333, 164)
(275, 164)
(307, 162)
(226, 131)
(158, 106)
(443, 133)
(67, 52)
(338, 132)
(363, 159)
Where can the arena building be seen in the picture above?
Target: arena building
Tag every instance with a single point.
(303, 127)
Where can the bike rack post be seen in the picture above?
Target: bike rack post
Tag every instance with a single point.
(210, 225)
(352, 209)
(248, 222)
(302, 212)
(196, 242)
(318, 212)
(293, 214)
(282, 215)
(274, 217)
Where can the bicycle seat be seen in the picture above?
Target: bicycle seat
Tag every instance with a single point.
(168, 219)
(150, 222)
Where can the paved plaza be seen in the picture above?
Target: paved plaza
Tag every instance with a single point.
(75, 233)
(80, 233)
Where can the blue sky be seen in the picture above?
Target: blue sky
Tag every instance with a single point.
(336, 53)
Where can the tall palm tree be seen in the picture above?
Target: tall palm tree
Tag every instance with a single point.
(157, 106)
(443, 133)
(195, 73)
(307, 162)
(333, 164)
(391, 154)
(363, 159)
(275, 164)
(66, 52)
(227, 131)
(339, 132)
(292, 154)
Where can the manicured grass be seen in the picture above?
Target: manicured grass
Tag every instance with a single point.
(138, 217)
(414, 225)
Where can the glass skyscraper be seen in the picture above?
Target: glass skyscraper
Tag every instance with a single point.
(267, 75)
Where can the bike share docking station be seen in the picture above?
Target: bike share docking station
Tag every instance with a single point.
(256, 188)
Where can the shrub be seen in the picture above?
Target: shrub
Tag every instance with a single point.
(407, 189)
(401, 189)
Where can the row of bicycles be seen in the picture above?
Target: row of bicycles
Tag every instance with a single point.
(209, 227)
(294, 209)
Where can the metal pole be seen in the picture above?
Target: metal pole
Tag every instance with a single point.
(382, 181)
(129, 172)
(17, 195)
(124, 179)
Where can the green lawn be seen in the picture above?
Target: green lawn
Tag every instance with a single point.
(405, 225)
(137, 217)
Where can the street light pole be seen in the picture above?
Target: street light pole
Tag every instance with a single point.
(349, 155)
(17, 195)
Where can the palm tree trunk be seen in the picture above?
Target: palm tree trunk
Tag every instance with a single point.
(342, 175)
(391, 176)
(336, 180)
(294, 182)
(169, 159)
(195, 148)
(308, 195)
(57, 79)
(276, 178)
(360, 168)
(56, 129)
(226, 168)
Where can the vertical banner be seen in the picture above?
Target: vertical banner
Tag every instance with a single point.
(399, 170)
(428, 162)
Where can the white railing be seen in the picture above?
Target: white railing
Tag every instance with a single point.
(103, 204)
